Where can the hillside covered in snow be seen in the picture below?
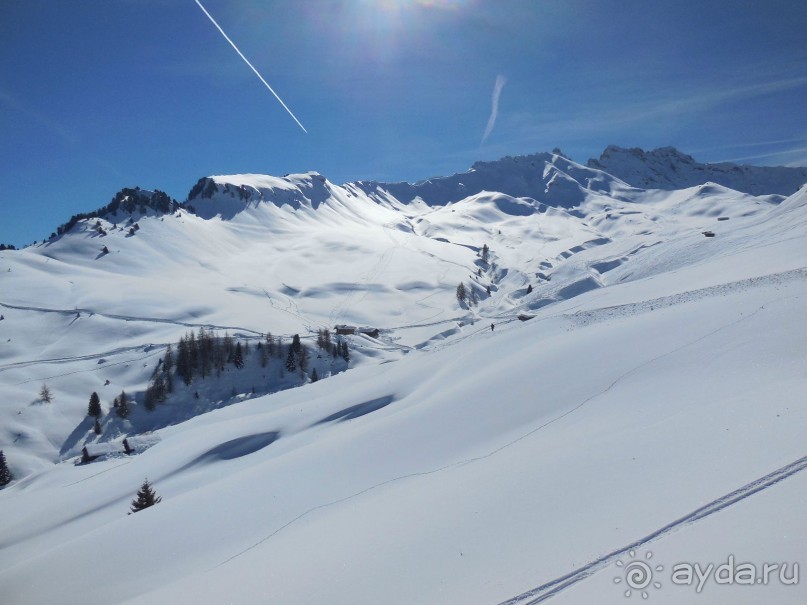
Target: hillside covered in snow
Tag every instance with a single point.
(668, 168)
(502, 386)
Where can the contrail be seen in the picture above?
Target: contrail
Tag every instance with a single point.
(497, 91)
(252, 67)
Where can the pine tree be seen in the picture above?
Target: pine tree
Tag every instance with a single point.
(303, 358)
(168, 367)
(45, 394)
(314, 376)
(150, 398)
(485, 252)
(295, 343)
(94, 407)
(238, 356)
(193, 353)
(5, 472)
(345, 353)
(529, 289)
(291, 363)
(473, 298)
(461, 294)
(184, 368)
(123, 405)
(203, 342)
(146, 496)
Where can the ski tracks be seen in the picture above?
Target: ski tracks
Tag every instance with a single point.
(553, 587)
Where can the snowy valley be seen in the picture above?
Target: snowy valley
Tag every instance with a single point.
(622, 371)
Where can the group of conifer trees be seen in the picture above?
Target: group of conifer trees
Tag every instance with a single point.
(203, 353)
(335, 348)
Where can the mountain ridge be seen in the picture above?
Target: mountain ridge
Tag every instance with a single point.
(668, 168)
(550, 178)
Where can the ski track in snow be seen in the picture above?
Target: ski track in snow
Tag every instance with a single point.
(583, 318)
(553, 587)
(127, 317)
(801, 463)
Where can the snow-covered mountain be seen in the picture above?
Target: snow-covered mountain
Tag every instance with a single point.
(624, 376)
(668, 168)
(552, 179)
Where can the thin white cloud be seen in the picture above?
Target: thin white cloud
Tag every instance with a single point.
(494, 112)
(603, 116)
(252, 67)
(768, 155)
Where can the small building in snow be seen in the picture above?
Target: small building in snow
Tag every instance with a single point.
(139, 443)
(371, 332)
(92, 451)
(345, 329)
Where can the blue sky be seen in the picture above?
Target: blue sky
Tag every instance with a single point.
(96, 95)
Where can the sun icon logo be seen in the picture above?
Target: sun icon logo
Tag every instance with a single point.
(638, 574)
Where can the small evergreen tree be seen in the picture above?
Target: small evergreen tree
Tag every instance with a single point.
(295, 343)
(94, 407)
(529, 289)
(150, 399)
(291, 363)
(485, 252)
(238, 356)
(184, 369)
(302, 359)
(168, 360)
(45, 394)
(344, 352)
(5, 472)
(123, 405)
(146, 496)
(461, 294)
(314, 376)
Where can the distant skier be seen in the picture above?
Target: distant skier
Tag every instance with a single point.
(491, 327)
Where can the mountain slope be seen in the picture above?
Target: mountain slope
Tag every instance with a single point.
(668, 168)
(466, 456)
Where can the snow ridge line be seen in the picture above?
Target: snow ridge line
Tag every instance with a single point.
(127, 317)
(586, 317)
(549, 589)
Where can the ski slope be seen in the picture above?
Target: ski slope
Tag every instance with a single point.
(653, 402)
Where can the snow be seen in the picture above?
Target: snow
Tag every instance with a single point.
(668, 168)
(653, 402)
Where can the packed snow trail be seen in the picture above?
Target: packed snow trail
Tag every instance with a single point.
(553, 587)
(161, 320)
